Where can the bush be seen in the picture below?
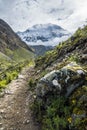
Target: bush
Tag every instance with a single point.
(53, 116)
(32, 83)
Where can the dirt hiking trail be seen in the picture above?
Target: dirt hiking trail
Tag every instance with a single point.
(15, 113)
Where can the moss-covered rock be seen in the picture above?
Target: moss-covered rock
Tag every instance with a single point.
(61, 82)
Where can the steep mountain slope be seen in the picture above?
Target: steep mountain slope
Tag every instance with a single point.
(4, 57)
(74, 48)
(40, 49)
(14, 54)
(10, 43)
(44, 34)
(61, 85)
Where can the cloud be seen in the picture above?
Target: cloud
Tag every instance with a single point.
(78, 16)
(21, 14)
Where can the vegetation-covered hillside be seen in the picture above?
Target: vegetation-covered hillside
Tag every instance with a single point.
(11, 45)
(61, 85)
(74, 49)
(14, 54)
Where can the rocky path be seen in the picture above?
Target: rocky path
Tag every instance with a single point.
(15, 113)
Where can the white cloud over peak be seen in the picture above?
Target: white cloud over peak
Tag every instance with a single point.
(21, 14)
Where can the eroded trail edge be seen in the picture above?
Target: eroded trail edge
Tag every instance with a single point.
(15, 113)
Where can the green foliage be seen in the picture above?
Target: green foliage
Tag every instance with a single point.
(74, 57)
(22, 54)
(7, 78)
(32, 84)
(11, 76)
(10, 71)
(53, 116)
(3, 84)
(78, 105)
(56, 115)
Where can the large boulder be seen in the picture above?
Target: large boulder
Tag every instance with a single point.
(61, 82)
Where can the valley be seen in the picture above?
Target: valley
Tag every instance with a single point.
(48, 92)
(16, 67)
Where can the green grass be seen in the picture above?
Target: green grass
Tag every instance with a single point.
(12, 62)
(4, 57)
(10, 70)
(22, 54)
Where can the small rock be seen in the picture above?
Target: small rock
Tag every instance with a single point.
(21, 77)
(34, 96)
(17, 112)
(26, 122)
(8, 92)
(0, 124)
(0, 117)
(2, 94)
(2, 128)
(38, 71)
(1, 111)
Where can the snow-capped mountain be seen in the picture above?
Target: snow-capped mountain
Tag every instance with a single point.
(44, 34)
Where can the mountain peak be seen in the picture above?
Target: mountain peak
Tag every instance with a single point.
(44, 34)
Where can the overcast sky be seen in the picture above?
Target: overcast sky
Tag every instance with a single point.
(21, 14)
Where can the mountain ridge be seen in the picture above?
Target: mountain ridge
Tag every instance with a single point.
(10, 41)
(44, 34)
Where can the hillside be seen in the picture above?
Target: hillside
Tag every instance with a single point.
(14, 54)
(10, 42)
(40, 50)
(60, 85)
(75, 49)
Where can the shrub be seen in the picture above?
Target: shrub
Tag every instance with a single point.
(32, 83)
(54, 115)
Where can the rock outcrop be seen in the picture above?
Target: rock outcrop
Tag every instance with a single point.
(61, 82)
